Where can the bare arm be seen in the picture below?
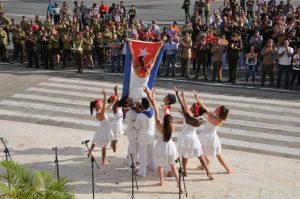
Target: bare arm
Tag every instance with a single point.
(198, 100)
(156, 113)
(100, 115)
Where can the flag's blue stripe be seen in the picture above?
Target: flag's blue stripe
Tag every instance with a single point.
(155, 69)
(127, 71)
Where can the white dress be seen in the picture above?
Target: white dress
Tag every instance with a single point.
(104, 134)
(117, 124)
(165, 153)
(188, 144)
(210, 141)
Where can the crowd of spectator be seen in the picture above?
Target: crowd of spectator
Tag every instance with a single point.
(260, 35)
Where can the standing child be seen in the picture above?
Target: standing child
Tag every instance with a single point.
(165, 152)
(117, 121)
(104, 134)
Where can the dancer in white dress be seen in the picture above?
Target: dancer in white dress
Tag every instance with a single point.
(188, 144)
(117, 121)
(165, 152)
(104, 134)
(210, 141)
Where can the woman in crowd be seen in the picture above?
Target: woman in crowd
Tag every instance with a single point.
(251, 62)
(269, 54)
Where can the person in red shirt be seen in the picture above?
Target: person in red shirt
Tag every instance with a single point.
(103, 9)
(210, 39)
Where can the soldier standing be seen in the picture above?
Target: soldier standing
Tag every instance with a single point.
(3, 45)
(30, 44)
(18, 40)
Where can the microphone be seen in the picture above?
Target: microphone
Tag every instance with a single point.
(85, 142)
(177, 160)
(2, 138)
(54, 149)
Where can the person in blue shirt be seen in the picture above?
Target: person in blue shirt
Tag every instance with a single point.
(50, 8)
(171, 49)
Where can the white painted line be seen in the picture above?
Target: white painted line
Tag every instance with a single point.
(251, 106)
(53, 108)
(213, 96)
(269, 136)
(259, 146)
(229, 122)
(49, 118)
(52, 99)
(175, 113)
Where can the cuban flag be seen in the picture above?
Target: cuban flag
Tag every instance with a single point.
(142, 62)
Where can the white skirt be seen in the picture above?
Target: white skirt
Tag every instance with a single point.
(211, 144)
(103, 136)
(165, 153)
(189, 146)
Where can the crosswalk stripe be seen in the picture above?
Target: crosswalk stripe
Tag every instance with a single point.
(233, 104)
(229, 122)
(39, 106)
(176, 114)
(213, 96)
(48, 118)
(256, 125)
(269, 136)
(286, 151)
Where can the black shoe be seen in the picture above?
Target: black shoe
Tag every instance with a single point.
(196, 77)
(167, 74)
(229, 80)
(173, 75)
(213, 80)
(29, 66)
(233, 81)
(219, 80)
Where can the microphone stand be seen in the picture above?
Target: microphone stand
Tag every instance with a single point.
(7, 155)
(133, 177)
(181, 176)
(56, 161)
(92, 163)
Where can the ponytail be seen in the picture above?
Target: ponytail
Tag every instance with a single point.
(167, 132)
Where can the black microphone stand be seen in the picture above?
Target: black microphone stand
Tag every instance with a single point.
(7, 155)
(56, 161)
(133, 177)
(92, 162)
(181, 176)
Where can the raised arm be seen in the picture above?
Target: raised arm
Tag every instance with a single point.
(198, 101)
(116, 91)
(153, 102)
(100, 115)
(183, 103)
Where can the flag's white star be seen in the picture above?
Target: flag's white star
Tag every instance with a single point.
(143, 52)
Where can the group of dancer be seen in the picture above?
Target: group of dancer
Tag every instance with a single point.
(146, 120)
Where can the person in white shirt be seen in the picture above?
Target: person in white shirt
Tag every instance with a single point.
(285, 54)
(145, 126)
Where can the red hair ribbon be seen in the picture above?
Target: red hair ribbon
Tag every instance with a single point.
(197, 110)
(98, 101)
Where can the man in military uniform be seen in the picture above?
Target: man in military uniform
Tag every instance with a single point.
(30, 43)
(3, 45)
(5, 23)
(18, 40)
(46, 50)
